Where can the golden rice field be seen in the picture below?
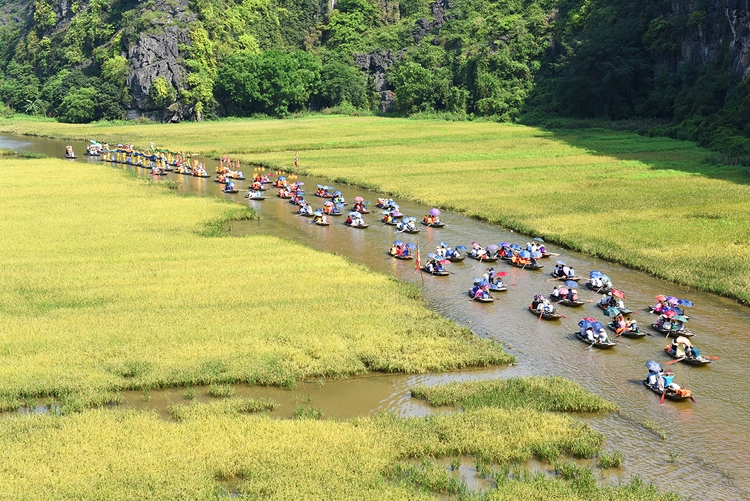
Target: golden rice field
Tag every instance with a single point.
(219, 449)
(110, 284)
(650, 203)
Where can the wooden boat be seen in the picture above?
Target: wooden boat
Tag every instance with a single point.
(237, 178)
(567, 302)
(456, 259)
(66, 156)
(637, 333)
(233, 190)
(690, 361)
(672, 333)
(434, 225)
(478, 299)
(670, 393)
(401, 256)
(624, 311)
(498, 288)
(323, 196)
(602, 290)
(596, 344)
(392, 223)
(484, 258)
(546, 316)
(416, 230)
(335, 214)
(526, 266)
(441, 273)
(321, 223)
(201, 175)
(256, 198)
(283, 196)
(574, 278)
(305, 214)
(360, 226)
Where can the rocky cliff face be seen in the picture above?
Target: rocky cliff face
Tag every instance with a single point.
(715, 29)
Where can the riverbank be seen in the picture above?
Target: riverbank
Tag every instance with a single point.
(648, 203)
(109, 285)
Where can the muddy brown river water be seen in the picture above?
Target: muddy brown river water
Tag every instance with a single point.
(707, 452)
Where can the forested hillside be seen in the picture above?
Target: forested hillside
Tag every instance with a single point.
(680, 64)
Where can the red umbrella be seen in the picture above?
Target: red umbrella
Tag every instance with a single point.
(661, 297)
(618, 293)
(589, 319)
(443, 261)
(502, 273)
(669, 313)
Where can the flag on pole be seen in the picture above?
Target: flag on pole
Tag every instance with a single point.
(418, 261)
(296, 160)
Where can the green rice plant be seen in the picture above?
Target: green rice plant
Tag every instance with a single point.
(31, 155)
(654, 427)
(7, 152)
(543, 393)
(610, 460)
(121, 289)
(672, 456)
(307, 412)
(651, 183)
(189, 393)
(221, 390)
(229, 406)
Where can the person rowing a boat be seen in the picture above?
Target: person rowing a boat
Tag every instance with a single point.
(572, 295)
(433, 266)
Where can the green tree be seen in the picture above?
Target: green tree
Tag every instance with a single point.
(341, 83)
(78, 106)
(413, 87)
(162, 93)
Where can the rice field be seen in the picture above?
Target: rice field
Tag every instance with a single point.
(651, 203)
(110, 283)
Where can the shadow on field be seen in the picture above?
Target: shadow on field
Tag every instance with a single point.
(659, 153)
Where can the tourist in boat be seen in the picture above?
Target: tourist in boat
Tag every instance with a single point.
(256, 185)
(477, 250)
(388, 218)
(655, 377)
(406, 225)
(305, 209)
(555, 293)
(359, 207)
(69, 152)
(433, 266)
(558, 271)
(570, 273)
(297, 200)
(481, 291)
(572, 295)
(596, 282)
(254, 194)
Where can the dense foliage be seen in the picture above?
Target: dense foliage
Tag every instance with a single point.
(590, 59)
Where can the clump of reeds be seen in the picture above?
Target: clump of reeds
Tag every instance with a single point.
(610, 459)
(221, 390)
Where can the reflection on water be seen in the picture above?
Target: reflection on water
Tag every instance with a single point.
(709, 439)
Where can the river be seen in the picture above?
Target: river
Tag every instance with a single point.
(708, 444)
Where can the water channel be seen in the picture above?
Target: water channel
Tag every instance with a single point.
(707, 451)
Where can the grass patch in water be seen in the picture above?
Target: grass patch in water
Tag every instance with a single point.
(616, 195)
(221, 390)
(31, 155)
(7, 152)
(555, 394)
(118, 287)
(610, 460)
(228, 406)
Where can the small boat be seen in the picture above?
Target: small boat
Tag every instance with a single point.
(359, 226)
(484, 258)
(230, 190)
(526, 266)
(401, 256)
(651, 310)
(322, 223)
(567, 302)
(415, 230)
(256, 198)
(603, 290)
(624, 311)
(677, 395)
(690, 361)
(237, 178)
(437, 273)
(434, 225)
(497, 288)
(637, 333)
(283, 196)
(73, 156)
(488, 299)
(391, 223)
(562, 279)
(554, 315)
(454, 259)
(596, 344)
(201, 174)
(216, 180)
(671, 333)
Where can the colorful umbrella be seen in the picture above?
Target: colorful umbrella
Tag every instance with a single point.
(653, 366)
(462, 247)
(618, 293)
(596, 274)
(398, 242)
(504, 244)
(611, 311)
(669, 313)
(539, 239)
(411, 246)
(685, 302)
(562, 290)
(502, 274)
(491, 248)
(359, 199)
(661, 297)
(571, 283)
(432, 255)
(672, 300)
(680, 318)
(683, 340)
(515, 246)
(355, 214)
(396, 213)
(434, 212)
(525, 254)
(336, 193)
(536, 254)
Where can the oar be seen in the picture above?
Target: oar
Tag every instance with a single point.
(540, 316)
(674, 361)
(692, 399)
(663, 394)
(591, 345)
(711, 357)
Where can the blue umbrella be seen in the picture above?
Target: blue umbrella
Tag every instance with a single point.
(319, 211)
(462, 247)
(525, 254)
(339, 206)
(653, 366)
(504, 244)
(411, 246)
(410, 219)
(385, 212)
(536, 254)
(561, 263)
(571, 283)
(515, 246)
(282, 178)
(336, 193)
(319, 186)
(491, 248)
(327, 187)
(398, 242)
(685, 302)
(432, 255)
(355, 214)
(539, 239)
(596, 274)
(444, 244)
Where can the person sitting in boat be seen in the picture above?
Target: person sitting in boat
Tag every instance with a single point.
(570, 273)
(298, 200)
(632, 325)
(558, 271)
(222, 178)
(477, 251)
(305, 209)
(256, 185)
(619, 303)
(359, 207)
(621, 325)
(69, 152)
(441, 250)
(555, 293)
(542, 249)
(588, 333)
(601, 336)
(433, 266)
(254, 194)
(655, 378)
(338, 199)
(572, 295)
(387, 218)
(411, 225)
(596, 282)
(680, 346)
(230, 186)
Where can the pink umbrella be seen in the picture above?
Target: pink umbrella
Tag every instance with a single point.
(669, 313)
(618, 293)
(359, 199)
